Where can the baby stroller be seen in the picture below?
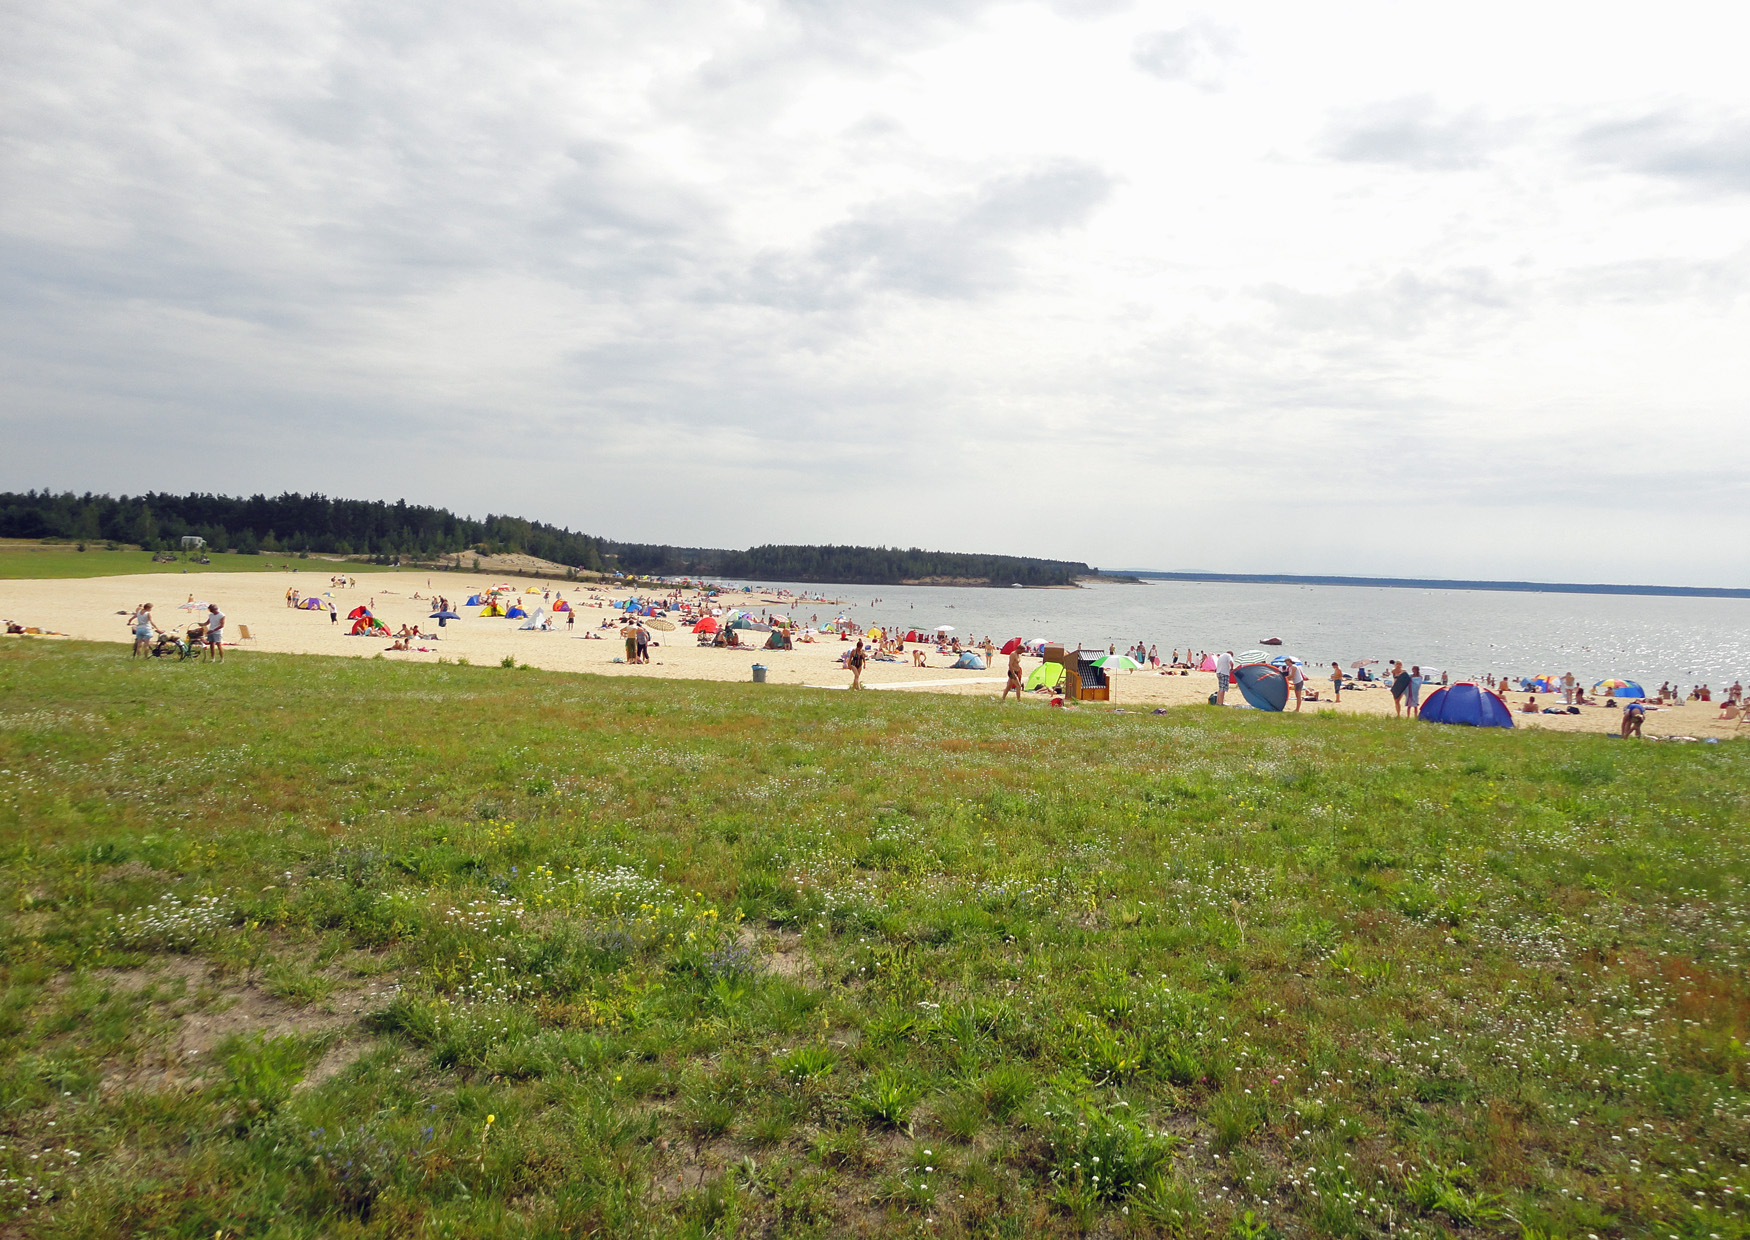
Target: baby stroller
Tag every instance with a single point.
(170, 644)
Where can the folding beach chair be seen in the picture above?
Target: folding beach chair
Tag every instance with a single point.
(243, 633)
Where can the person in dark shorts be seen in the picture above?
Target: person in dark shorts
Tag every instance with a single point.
(1015, 677)
(1337, 681)
(1633, 715)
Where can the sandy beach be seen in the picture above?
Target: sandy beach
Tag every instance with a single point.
(95, 609)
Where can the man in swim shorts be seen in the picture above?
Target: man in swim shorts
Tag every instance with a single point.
(1015, 677)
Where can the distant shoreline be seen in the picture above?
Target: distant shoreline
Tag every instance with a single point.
(1436, 583)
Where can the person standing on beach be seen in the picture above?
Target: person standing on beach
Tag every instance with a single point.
(1337, 681)
(215, 634)
(1413, 699)
(143, 630)
(1567, 688)
(643, 644)
(1400, 685)
(1015, 678)
(1296, 675)
(1224, 668)
(855, 663)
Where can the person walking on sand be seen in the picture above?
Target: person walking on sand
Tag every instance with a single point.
(1224, 670)
(1400, 685)
(1015, 678)
(855, 663)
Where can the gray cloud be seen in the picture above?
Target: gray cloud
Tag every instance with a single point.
(1196, 53)
(1706, 155)
(954, 247)
(1412, 131)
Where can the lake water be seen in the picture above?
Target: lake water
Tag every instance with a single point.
(1464, 632)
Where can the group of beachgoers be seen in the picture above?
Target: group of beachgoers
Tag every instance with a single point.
(207, 632)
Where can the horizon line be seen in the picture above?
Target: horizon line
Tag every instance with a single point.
(1436, 583)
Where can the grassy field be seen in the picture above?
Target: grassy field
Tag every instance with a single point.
(37, 560)
(303, 947)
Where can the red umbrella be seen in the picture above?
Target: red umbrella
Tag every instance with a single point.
(1012, 645)
(707, 625)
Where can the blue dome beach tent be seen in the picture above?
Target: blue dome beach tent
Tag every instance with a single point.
(1620, 688)
(474, 600)
(311, 604)
(1468, 705)
(970, 662)
(1263, 687)
(515, 613)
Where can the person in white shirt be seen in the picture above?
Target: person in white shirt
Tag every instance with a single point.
(215, 633)
(1296, 680)
(1224, 669)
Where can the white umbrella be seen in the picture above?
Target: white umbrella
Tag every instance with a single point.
(944, 628)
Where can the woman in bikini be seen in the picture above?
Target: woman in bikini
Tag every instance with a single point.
(856, 665)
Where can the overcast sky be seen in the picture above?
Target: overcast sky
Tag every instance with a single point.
(1275, 287)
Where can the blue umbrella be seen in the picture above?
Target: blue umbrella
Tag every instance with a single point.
(444, 617)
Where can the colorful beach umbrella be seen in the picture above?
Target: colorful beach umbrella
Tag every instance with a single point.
(1116, 663)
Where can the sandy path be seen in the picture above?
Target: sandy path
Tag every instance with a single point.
(88, 609)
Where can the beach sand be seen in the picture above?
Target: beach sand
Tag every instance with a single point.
(88, 609)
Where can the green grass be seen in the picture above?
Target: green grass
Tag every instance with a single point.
(32, 560)
(321, 947)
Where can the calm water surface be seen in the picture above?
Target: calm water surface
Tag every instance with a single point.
(1464, 632)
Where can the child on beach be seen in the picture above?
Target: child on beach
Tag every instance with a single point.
(1337, 681)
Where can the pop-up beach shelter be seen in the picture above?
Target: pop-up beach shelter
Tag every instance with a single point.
(1263, 687)
(707, 625)
(491, 609)
(1208, 664)
(533, 621)
(1045, 674)
(514, 612)
(1466, 704)
(310, 604)
(1620, 688)
(356, 612)
(970, 662)
(561, 605)
(474, 600)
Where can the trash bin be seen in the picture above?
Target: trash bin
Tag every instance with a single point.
(759, 673)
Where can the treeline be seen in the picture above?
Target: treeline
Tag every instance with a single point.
(287, 523)
(292, 523)
(851, 565)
